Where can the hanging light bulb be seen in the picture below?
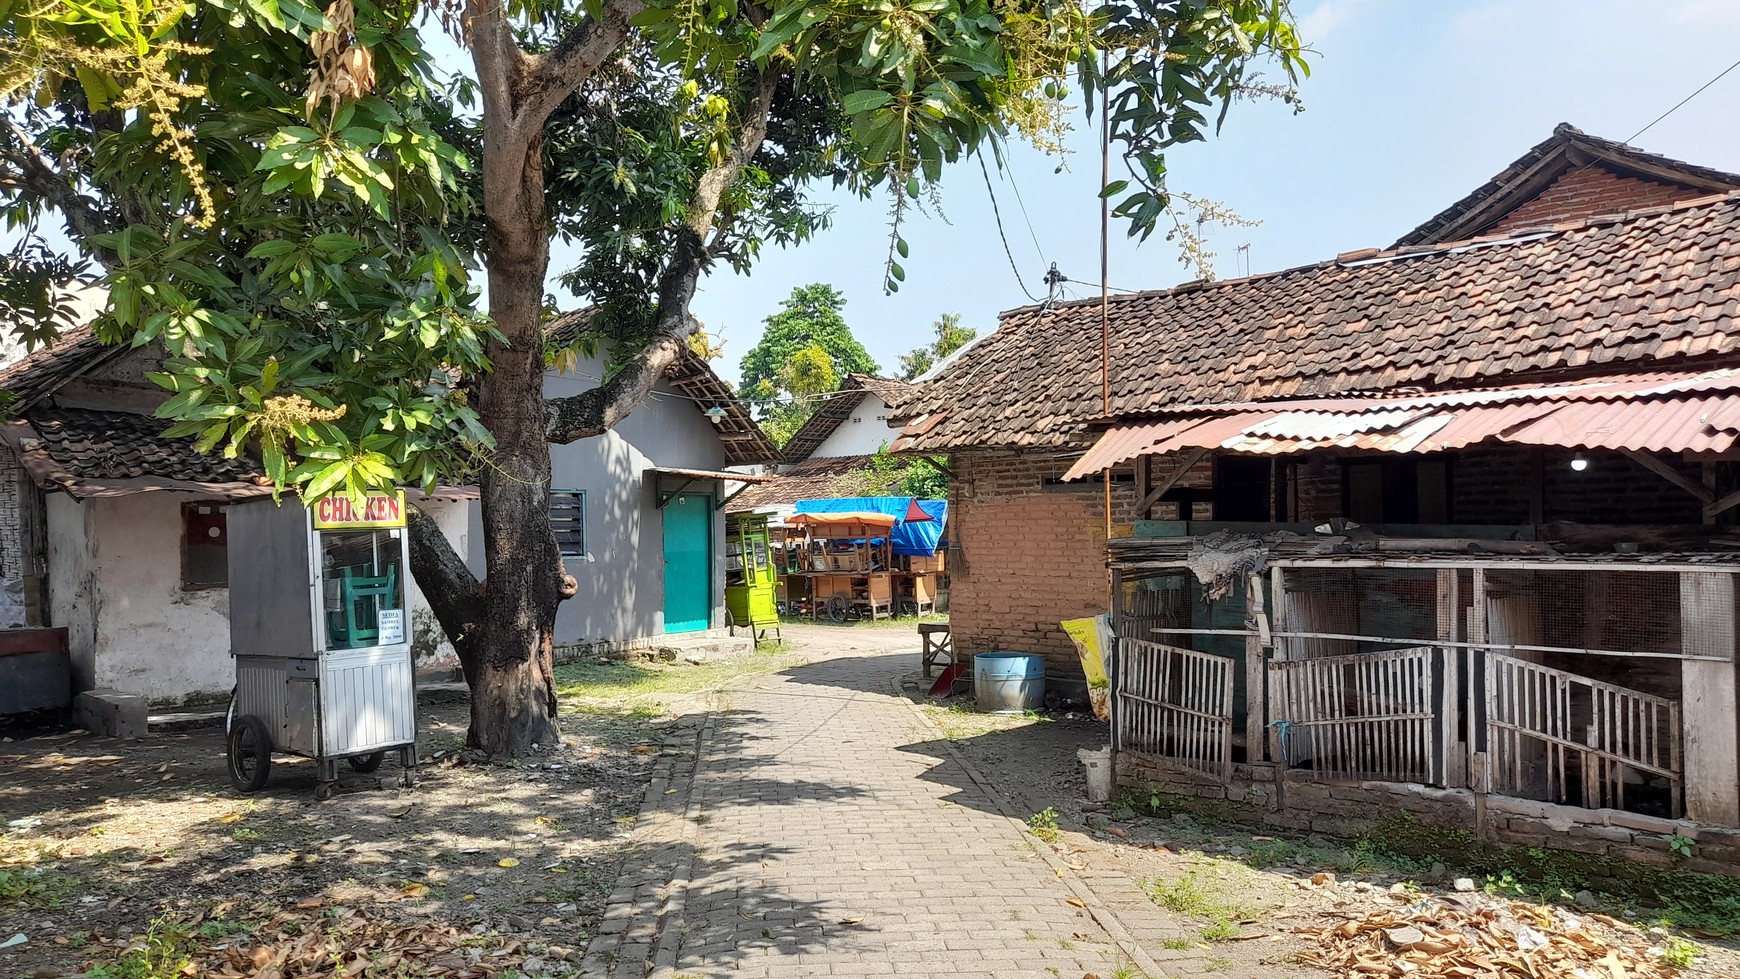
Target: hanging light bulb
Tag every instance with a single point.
(716, 414)
(1579, 463)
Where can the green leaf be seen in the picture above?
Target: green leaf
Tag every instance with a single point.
(1114, 187)
(864, 101)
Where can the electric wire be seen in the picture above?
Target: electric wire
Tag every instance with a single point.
(1676, 105)
(1010, 254)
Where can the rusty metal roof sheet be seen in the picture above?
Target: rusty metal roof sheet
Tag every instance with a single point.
(1688, 412)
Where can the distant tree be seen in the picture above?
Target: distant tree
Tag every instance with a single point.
(804, 378)
(886, 474)
(810, 315)
(805, 352)
(950, 337)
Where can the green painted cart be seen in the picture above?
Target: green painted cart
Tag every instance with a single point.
(750, 577)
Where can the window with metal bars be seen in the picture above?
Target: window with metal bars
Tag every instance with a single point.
(568, 520)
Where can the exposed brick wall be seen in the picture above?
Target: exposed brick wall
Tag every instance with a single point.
(1347, 808)
(1030, 556)
(1587, 192)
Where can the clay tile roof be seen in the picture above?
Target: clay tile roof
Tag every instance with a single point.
(42, 373)
(692, 377)
(107, 445)
(839, 407)
(813, 480)
(1569, 148)
(1647, 290)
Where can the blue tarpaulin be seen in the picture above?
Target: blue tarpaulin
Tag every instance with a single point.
(909, 537)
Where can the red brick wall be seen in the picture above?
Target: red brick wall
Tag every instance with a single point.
(1034, 555)
(1587, 192)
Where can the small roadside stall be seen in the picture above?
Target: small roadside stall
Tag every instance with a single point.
(319, 633)
(863, 557)
(750, 576)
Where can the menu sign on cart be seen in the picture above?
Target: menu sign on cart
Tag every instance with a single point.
(339, 512)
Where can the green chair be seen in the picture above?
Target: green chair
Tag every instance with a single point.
(356, 621)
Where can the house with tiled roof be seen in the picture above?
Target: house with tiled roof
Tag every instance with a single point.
(828, 456)
(1448, 527)
(118, 534)
(640, 509)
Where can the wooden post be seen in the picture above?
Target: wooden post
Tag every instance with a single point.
(1256, 622)
(1452, 754)
(1477, 776)
(1712, 734)
(1280, 621)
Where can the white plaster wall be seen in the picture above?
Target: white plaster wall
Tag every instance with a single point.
(115, 583)
(621, 587)
(71, 583)
(862, 434)
(152, 638)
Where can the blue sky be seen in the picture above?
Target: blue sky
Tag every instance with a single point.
(1411, 104)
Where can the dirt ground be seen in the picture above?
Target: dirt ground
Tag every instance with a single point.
(136, 859)
(125, 857)
(1252, 902)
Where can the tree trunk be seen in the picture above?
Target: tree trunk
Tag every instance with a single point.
(513, 693)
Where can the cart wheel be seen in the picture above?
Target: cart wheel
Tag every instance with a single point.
(364, 764)
(908, 608)
(250, 753)
(838, 606)
(324, 791)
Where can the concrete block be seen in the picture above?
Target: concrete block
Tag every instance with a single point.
(111, 713)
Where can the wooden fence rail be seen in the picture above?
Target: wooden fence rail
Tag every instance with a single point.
(1565, 738)
(1174, 703)
(1359, 715)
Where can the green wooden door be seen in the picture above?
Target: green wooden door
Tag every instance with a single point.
(688, 563)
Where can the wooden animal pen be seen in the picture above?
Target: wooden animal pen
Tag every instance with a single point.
(1601, 682)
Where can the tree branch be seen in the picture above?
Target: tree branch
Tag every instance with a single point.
(35, 173)
(454, 593)
(600, 409)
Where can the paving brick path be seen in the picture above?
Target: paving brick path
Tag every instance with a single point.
(827, 831)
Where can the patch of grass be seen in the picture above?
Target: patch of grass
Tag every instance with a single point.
(1219, 963)
(1043, 824)
(1220, 931)
(1196, 896)
(1126, 970)
(642, 690)
(960, 719)
(164, 954)
(1679, 953)
(1065, 944)
(35, 887)
(1176, 944)
(242, 834)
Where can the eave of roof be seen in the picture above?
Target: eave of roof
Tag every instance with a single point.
(837, 408)
(1567, 149)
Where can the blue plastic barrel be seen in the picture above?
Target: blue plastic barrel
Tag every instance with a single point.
(1009, 683)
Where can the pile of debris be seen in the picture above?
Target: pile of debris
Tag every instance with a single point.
(1465, 938)
(308, 942)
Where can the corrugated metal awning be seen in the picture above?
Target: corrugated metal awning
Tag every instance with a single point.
(1690, 412)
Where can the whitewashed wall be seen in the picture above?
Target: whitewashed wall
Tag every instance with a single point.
(115, 584)
(861, 434)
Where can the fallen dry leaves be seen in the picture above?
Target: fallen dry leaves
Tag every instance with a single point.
(348, 942)
(1451, 938)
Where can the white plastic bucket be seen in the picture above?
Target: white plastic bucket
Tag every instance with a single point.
(1097, 763)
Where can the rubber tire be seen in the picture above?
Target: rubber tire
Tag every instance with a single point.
(364, 764)
(325, 791)
(837, 608)
(249, 741)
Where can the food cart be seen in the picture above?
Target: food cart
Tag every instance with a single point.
(319, 632)
(863, 557)
(750, 577)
